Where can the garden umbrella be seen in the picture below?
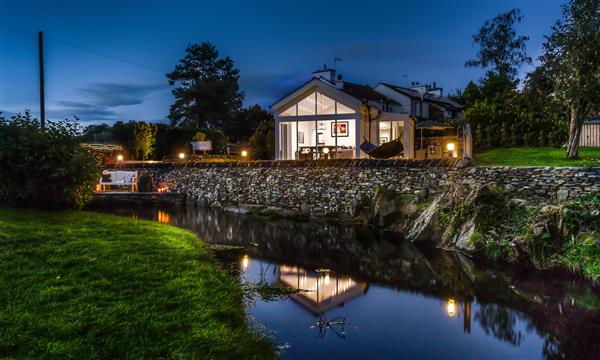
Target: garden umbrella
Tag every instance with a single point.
(431, 125)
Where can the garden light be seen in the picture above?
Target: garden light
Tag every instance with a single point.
(244, 153)
(451, 308)
(181, 156)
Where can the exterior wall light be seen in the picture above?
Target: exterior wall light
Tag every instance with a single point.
(450, 146)
(119, 157)
(244, 153)
(181, 155)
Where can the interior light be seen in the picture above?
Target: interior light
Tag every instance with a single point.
(325, 150)
(450, 146)
(119, 157)
(244, 153)
(181, 155)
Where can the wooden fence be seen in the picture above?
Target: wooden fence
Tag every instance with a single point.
(590, 135)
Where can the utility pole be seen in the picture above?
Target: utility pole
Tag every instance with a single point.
(41, 60)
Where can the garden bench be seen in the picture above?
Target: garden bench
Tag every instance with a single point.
(118, 178)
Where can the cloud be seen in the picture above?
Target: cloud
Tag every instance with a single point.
(101, 100)
(7, 114)
(116, 94)
(84, 111)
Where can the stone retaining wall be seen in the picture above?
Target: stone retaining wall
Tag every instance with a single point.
(338, 186)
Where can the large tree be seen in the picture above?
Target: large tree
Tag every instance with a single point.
(206, 88)
(500, 48)
(572, 59)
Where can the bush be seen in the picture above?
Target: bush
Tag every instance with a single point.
(44, 167)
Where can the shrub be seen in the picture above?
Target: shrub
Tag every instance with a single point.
(44, 167)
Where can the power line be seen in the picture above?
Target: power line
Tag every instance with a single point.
(92, 51)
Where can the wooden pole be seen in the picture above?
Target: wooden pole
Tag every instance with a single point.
(41, 62)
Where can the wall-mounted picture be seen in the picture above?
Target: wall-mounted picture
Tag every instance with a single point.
(341, 130)
(320, 138)
(300, 137)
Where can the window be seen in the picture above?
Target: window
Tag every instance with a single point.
(317, 104)
(291, 111)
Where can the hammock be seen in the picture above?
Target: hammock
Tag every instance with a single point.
(383, 151)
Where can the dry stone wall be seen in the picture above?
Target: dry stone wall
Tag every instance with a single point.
(338, 186)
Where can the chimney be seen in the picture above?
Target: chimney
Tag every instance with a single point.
(339, 82)
(325, 74)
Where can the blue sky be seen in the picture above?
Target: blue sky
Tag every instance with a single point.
(275, 44)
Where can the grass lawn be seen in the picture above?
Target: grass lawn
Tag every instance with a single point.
(536, 157)
(83, 285)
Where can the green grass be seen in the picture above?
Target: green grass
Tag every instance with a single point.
(584, 256)
(536, 157)
(79, 285)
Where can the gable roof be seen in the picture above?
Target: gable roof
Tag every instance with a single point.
(355, 93)
(440, 100)
(363, 92)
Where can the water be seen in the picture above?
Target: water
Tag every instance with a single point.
(371, 296)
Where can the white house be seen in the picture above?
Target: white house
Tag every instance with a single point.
(328, 117)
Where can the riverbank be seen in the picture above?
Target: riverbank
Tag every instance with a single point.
(496, 224)
(87, 285)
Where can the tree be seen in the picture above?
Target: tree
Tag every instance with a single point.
(206, 89)
(499, 46)
(471, 94)
(144, 139)
(263, 139)
(44, 167)
(245, 122)
(572, 58)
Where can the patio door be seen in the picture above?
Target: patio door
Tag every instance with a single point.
(287, 152)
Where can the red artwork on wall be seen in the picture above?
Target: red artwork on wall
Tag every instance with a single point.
(341, 130)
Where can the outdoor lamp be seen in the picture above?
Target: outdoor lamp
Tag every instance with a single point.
(450, 146)
(244, 153)
(119, 157)
(451, 308)
(181, 155)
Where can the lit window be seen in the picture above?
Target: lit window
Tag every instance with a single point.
(291, 111)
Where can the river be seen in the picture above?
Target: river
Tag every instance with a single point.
(368, 295)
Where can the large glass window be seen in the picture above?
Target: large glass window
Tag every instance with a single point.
(390, 130)
(291, 111)
(317, 104)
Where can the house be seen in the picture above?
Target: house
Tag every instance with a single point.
(328, 117)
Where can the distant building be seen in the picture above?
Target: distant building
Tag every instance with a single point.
(328, 117)
(590, 131)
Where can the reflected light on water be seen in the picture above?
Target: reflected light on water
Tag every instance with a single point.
(451, 308)
(245, 261)
(163, 217)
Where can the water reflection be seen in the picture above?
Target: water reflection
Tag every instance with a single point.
(320, 290)
(367, 295)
